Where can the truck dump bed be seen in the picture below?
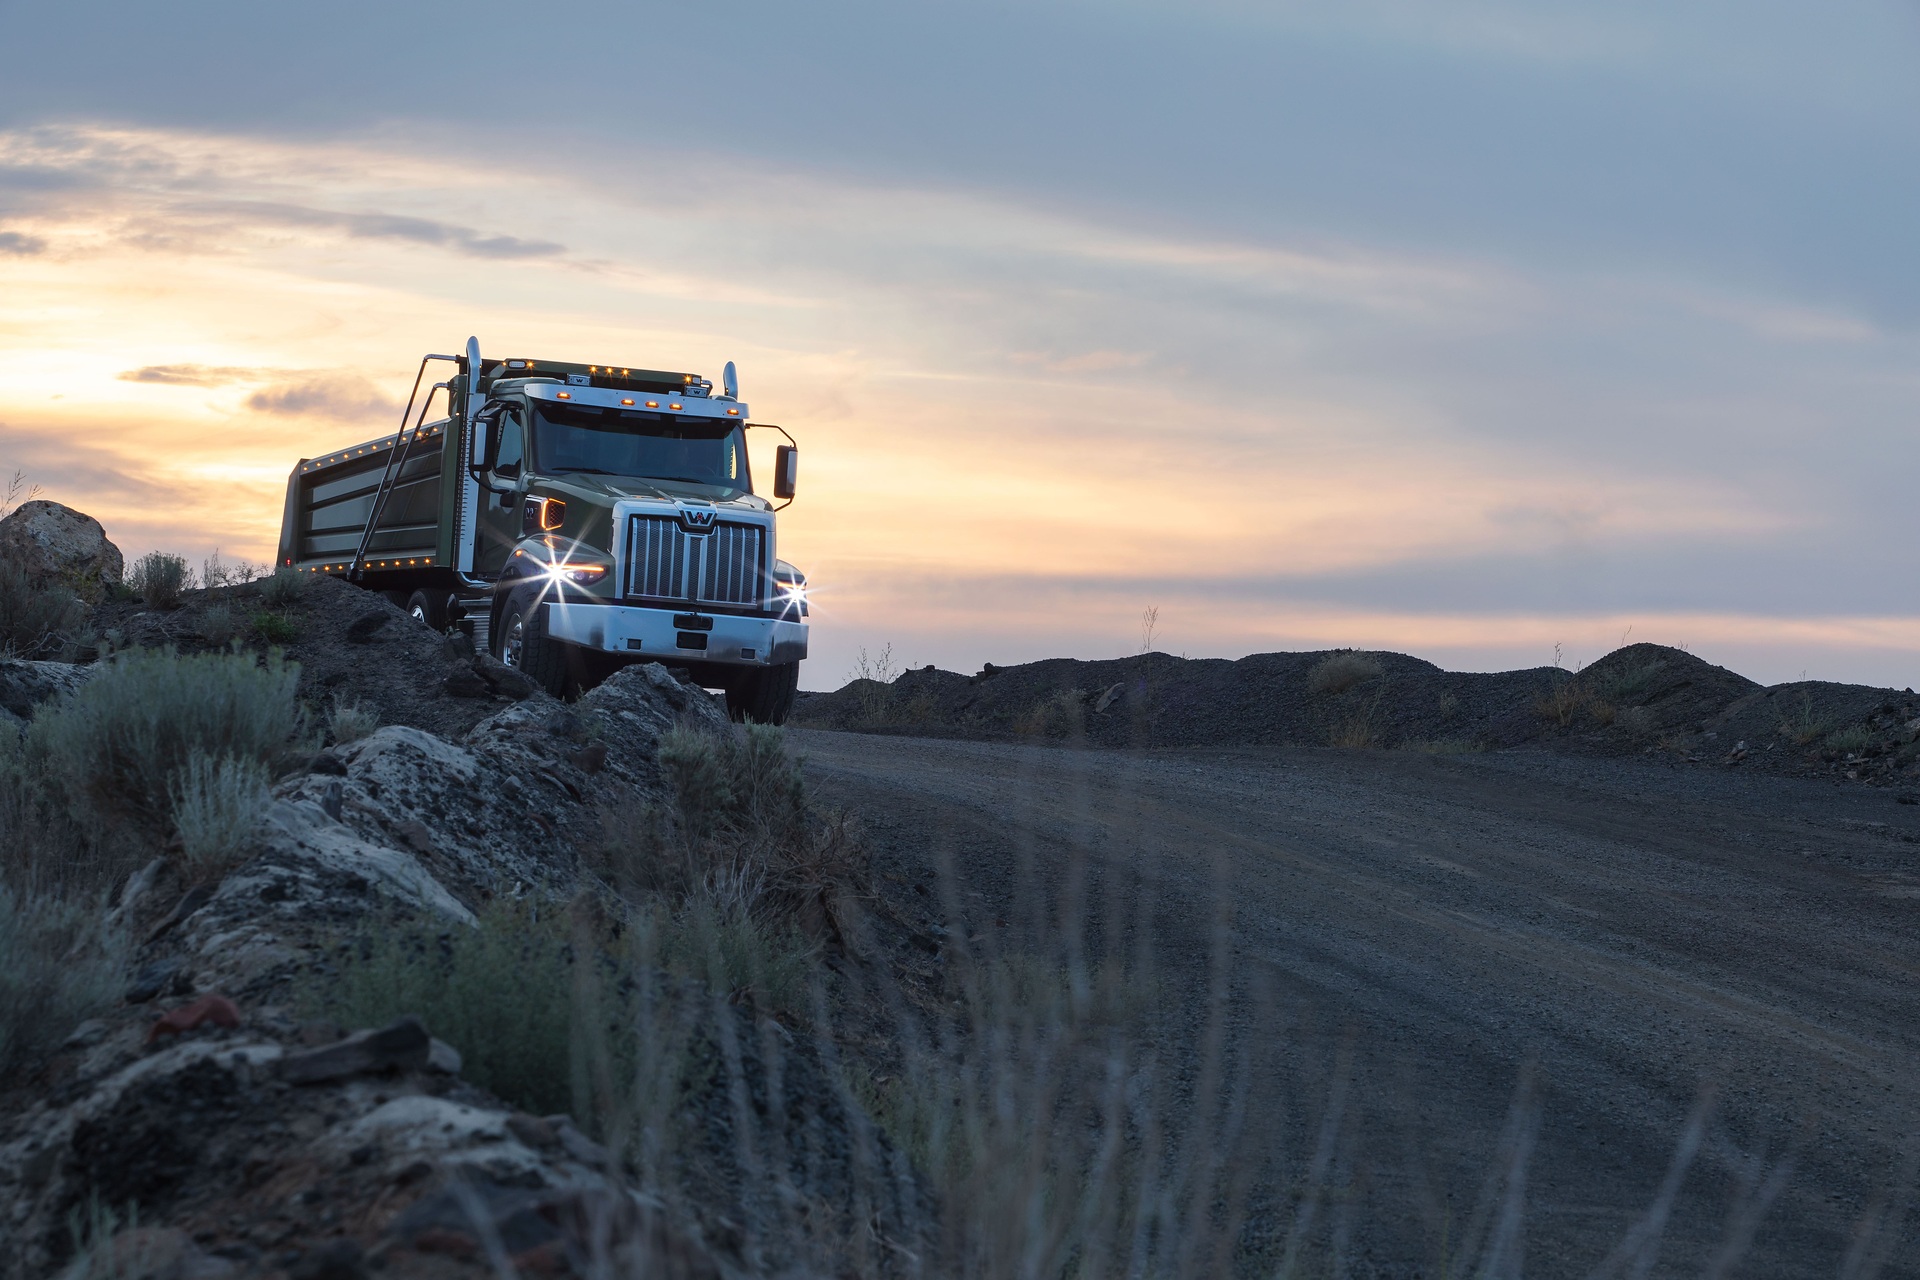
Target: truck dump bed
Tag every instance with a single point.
(331, 498)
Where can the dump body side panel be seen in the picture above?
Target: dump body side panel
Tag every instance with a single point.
(331, 498)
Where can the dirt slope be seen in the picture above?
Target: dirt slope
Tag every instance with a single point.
(1641, 699)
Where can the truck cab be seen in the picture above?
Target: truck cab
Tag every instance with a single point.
(581, 517)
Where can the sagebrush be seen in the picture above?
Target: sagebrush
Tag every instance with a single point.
(117, 742)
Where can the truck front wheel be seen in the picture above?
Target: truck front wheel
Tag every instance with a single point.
(764, 695)
(525, 645)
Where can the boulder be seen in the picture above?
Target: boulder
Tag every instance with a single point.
(56, 543)
(25, 685)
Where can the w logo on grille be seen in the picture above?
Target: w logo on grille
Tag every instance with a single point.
(698, 521)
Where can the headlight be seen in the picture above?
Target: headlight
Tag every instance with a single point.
(576, 572)
(790, 587)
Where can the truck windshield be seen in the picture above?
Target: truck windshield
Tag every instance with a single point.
(625, 442)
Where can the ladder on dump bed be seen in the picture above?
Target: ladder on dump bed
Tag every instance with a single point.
(397, 459)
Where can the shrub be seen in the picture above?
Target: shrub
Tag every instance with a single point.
(37, 620)
(159, 579)
(217, 575)
(351, 721)
(500, 993)
(275, 628)
(217, 625)
(1851, 740)
(120, 738)
(216, 805)
(768, 794)
(1629, 680)
(703, 793)
(283, 587)
(1341, 671)
(59, 964)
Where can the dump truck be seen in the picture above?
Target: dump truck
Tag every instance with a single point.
(570, 519)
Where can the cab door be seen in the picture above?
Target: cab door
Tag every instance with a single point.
(499, 522)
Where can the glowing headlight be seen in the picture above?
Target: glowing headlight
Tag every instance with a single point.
(577, 573)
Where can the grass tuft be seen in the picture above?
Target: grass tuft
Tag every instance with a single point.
(500, 993)
(59, 964)
(350, 722)
(1341, 671)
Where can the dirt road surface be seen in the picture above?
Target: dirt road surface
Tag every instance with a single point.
(1605, 946)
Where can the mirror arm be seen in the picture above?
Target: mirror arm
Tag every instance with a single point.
(770, 426)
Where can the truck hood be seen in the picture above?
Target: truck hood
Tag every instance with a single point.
(611, 489)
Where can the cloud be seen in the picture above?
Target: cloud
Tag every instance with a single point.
(386, 226)
(341, 396)
(21, 245)
(189, 375)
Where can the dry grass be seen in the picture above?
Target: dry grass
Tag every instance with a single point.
(1566, 696)
(36, 620)
(60, 963)
(1059, 715)
(1342, 671)
(1801, 724)
(350, 721)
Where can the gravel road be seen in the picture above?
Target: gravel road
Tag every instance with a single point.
(1604, 945)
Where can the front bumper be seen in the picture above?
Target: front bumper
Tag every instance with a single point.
(683, 634)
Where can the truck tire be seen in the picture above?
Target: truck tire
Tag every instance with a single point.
(764, 696)
(430, 607)
(523, 644)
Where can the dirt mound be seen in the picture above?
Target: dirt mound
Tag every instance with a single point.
(353, 646)
(1642, 698)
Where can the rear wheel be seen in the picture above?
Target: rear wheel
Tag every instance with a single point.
(525, 646)
(430, 607)
(764, 695)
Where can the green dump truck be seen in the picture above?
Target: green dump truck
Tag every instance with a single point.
(571, 519)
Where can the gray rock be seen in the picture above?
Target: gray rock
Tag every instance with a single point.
(502, 678)
(55, 542)
(403, 1044)
(25, 685)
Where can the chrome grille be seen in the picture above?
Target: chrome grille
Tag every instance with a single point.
(665, 562)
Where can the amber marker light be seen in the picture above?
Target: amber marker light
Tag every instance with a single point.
(564, 395)
(674, 407)
(626, 402)
(733, 413)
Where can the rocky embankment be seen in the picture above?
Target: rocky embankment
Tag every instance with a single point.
(1642, 699)
(210, 1125)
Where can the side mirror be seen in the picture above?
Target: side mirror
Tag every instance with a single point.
(786, 470)
(482, 435)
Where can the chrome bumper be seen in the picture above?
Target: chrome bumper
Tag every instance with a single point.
(653, 633)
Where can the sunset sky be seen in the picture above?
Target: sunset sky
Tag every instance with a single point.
(1465, 329)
